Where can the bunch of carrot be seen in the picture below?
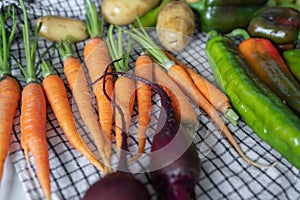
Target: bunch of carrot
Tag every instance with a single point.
(199, 90)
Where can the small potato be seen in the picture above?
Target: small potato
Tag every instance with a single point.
(175, 25)
(124, 12)
(56, 28)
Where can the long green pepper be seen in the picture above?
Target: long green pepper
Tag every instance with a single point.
(291, 58)
(260, 108)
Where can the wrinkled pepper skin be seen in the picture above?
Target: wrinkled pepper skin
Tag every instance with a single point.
(260, 108)
(292, 60)
(226, 15)
(266, 62)
(278, 24)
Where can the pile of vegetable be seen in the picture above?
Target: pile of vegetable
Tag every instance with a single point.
(257, 82)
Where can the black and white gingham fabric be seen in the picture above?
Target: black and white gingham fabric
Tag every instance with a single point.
(224, 174)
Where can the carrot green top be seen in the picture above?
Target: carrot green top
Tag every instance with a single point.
(6, 40)
(116, 49)
(141, 36)
(65, 49)
(30, 51)
(93, 22)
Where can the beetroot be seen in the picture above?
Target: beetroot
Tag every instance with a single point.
(175, 165)
(117, 186)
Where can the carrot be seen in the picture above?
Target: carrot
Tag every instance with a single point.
(124, 95)
(184, 81)
(9, 88)
(183, 109)
(215, 96)
(58, 98)
(33, 111)
(181, 77)
(143, 68)
(79, 86)
(124, 91)
(33, 129)
(97, 57)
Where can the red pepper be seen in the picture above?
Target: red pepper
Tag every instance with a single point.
(265, 60)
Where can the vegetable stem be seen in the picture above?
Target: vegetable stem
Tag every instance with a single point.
(6, 42)
(116, 50)
(65, 49)
(94, 24)
(143, 38)
(239, 32)
(30, 52)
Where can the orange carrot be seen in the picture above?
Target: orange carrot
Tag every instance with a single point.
(184, 81)
(33, 129)
(143, 68)
(58, 98)
(10, 96)
(183, 109)
(124, 92)
(181, 77)
(9, 88)
(33, 112)
(96, 56)
(215, 96)
(124, 95)
(79, 86)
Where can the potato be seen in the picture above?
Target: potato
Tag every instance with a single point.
(175, 25)
(56, 28)
(124, 12)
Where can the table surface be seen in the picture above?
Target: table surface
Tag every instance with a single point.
(11, 187)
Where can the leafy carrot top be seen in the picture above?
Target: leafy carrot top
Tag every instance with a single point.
(30, 51)
(6, 41)
(94, 23)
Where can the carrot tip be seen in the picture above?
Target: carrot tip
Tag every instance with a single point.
(135, 157)
(26, 152)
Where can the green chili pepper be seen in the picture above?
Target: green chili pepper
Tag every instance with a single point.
(279, 24)
(224, 16)
(149, 19)
(292, 59)
(265, 60)
(260, 108)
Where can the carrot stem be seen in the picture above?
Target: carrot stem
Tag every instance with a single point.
(94, 24)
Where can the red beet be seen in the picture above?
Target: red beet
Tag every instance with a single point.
(175, 165)
(117, 186)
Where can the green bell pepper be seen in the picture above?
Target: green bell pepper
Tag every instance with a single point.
(291, 58)
(260, 108)
(225, 16)
(278, 24)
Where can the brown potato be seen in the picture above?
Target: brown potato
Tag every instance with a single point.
(175, 25)
(124, 12)
(57, 28)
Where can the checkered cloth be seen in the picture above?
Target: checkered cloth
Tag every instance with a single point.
(224, 174)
